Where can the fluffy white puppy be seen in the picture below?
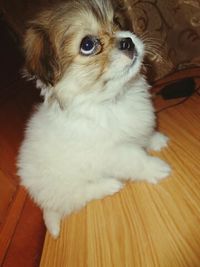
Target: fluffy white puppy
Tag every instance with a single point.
(97, 121)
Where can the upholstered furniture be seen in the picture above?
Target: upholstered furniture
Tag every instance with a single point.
(173, 30)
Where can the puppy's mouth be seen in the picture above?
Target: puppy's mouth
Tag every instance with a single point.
(127, 46)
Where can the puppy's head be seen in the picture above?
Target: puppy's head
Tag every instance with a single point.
(82, 46)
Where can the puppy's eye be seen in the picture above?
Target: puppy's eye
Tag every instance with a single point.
(89, 45)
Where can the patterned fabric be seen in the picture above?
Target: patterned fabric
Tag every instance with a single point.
(171, 28)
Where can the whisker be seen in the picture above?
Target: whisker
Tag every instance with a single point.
(153, 47)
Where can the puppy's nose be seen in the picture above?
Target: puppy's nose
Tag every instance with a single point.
(127, 46)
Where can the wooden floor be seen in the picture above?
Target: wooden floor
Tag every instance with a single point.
(143, 225)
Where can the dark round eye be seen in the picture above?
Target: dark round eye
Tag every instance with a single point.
(89, 45)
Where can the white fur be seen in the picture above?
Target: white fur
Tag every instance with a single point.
(86, 150)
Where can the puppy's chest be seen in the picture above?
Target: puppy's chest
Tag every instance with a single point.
(129, 120)
(124, 120)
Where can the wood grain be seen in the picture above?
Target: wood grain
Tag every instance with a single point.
(27, 241)
(143, 225)
(8, 228)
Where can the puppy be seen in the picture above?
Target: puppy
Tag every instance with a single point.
(97, 122)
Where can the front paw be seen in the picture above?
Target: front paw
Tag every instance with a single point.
(102, 188)
(107, 187)
(156, 170)
(158, 141)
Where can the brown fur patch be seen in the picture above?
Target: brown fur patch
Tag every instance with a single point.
(41, 57)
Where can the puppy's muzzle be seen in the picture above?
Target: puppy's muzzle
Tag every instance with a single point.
(127, 46)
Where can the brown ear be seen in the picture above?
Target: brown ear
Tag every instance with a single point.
(40, 55)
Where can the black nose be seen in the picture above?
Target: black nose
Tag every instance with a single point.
(126, 45)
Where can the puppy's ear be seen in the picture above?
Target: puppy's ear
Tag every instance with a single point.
(41, 58)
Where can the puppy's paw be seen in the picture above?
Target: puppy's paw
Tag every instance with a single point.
(103, 188)
(158, 141)
(156, 170)
(112, 186)
(52, 222)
